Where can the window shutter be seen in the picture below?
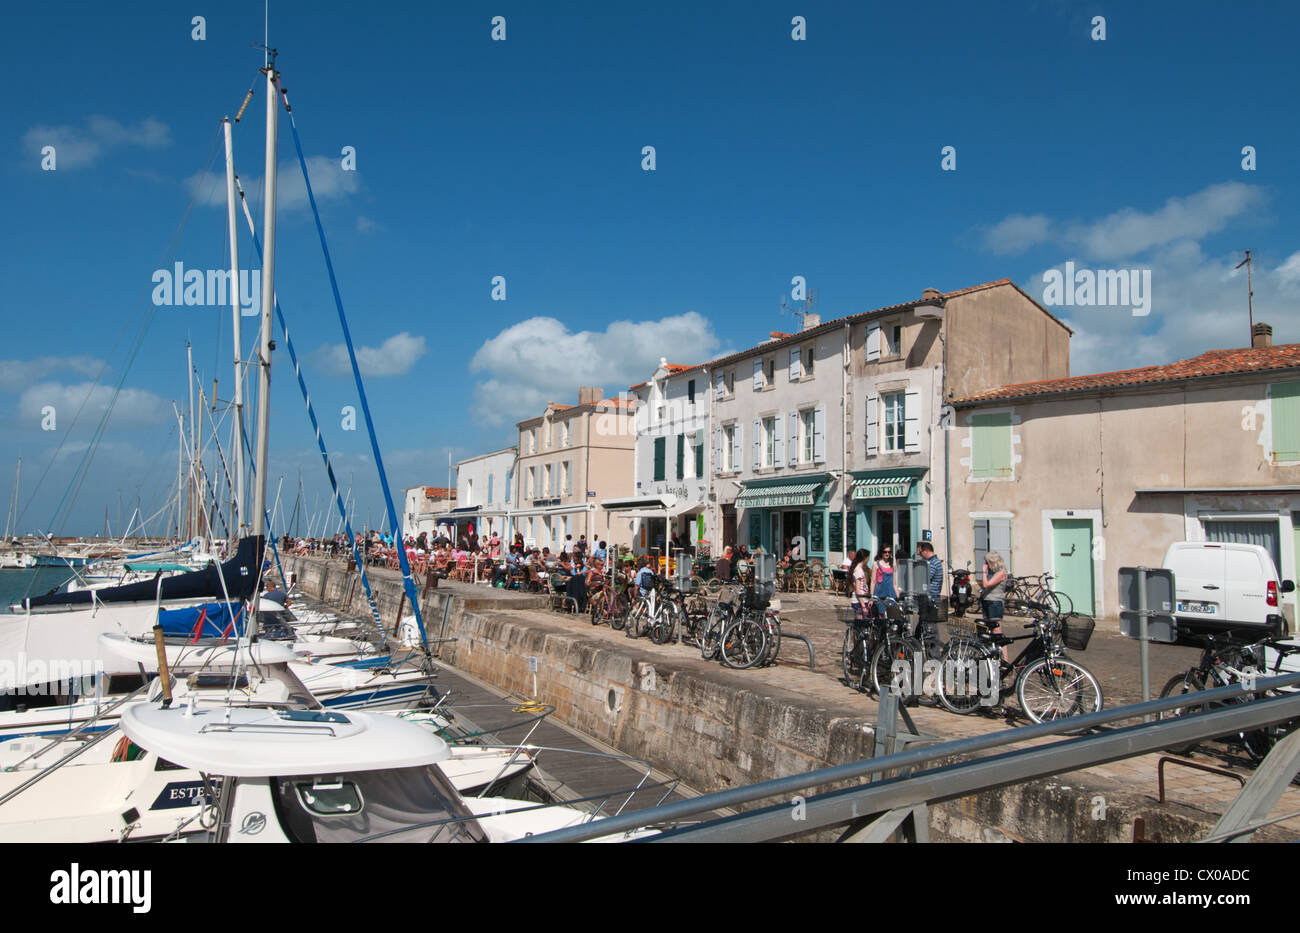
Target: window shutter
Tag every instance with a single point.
(819, 434)
(758, 374)
(699, 454)
(568, 477)
(681, 456)
(794, 364)
(912, 421)
(720, 388)
(661, 445)
(873, 341)
(717, 451)
(981, 545)
(1000, 539)
(510, 481)
(491, 476)
(1284, 412)
(690, 392)
(737, 461)
(758, 446)
(991, 445)
(778, 446)
(873, 429)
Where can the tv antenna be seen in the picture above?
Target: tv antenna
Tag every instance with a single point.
(800, 309)
(1250, 296)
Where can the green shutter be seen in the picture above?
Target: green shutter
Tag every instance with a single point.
(699, 455)
(991, 445)
(660, 449)
(1286, 421)
(681, 456)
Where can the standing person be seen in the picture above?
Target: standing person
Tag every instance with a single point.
(567, 547)
(885, 574)
(582, 545)
(860, 582)
(993, 579)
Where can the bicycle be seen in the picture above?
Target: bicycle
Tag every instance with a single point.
(1048, 684)
(753, 638)
(609, 604)
(1026, 595)
(902, 642)
(1226, 661)
(865, 628)
(721, 615)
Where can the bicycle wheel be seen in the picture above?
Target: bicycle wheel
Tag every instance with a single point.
(594, 609)
(1054, 688)
(744, 643)
(664, 624)
(637, 618)
(711, 638)
(892, 666)
(959, 683)
(851, 656)
(773, 629)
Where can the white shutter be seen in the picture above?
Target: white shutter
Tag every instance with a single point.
(758, 446)
(778, 445)
(819, 434)
(738, 463)
(717, 451)
(912, 421)
(873, 341)
(758, 374)
(720, 386)
(794, 438)
(873, 413)
(568, 478)
(794, 364)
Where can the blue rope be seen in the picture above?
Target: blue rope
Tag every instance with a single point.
(324, 453)
(408, 583)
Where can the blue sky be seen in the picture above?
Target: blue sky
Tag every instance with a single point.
(478, 158)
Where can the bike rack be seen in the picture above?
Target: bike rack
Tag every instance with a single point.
(812, 660)
(1195, 766)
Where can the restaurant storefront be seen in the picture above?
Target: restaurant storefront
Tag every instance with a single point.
(887, 508)
(778, 512)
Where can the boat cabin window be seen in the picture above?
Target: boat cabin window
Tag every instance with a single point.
(404, 804)
(330, 798)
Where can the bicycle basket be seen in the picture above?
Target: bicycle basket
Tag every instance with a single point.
(1076, 632)
(754, 599)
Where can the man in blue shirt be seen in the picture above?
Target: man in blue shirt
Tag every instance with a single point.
(925, 551)
(644, 576)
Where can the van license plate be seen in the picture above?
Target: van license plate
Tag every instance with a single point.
(1207, 608)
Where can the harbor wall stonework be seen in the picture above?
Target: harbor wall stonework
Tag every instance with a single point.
(714, 728)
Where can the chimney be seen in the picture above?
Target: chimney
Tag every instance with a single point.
(590, 395)
(811, 320)
(1261, 335)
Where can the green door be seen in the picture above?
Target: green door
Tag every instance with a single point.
(1072, 555)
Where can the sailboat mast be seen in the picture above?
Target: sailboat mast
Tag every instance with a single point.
(194, 512)
(241, 524)
(268, 306)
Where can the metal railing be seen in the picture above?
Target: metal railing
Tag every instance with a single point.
(857, 804)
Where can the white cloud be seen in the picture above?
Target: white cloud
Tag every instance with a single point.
(1129, 232)
(134, 407)
(16, 375)
(328, 183)
(541, 360)
(1016, 233)
(367, 225)
(394, 357)
(1198, 304)
(79, 146)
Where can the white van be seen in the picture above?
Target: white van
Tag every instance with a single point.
(1220, 586)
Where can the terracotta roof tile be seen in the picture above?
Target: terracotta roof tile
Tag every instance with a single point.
(1209, 364)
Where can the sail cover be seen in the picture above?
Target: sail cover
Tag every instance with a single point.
(239, 575)
(207, 620)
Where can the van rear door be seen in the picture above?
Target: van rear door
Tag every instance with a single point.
(1247, 585)
(1199, 573)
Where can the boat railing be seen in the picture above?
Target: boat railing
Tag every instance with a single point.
(81, 730)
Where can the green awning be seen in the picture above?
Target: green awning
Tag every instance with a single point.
(883, 487)
(782, 494)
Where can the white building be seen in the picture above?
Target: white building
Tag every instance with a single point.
(423, 506)
(483, 492)
(672, 463)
